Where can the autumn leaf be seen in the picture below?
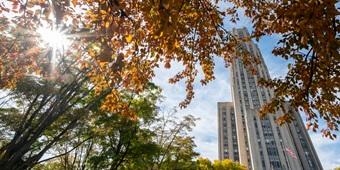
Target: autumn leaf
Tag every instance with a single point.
(167, 65)
(128, 38)
(74, 2)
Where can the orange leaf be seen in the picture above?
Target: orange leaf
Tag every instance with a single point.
(74, 2)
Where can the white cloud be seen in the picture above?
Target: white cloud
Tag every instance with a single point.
(328, 150)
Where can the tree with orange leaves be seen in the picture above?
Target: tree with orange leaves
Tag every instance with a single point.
(67, 57)
(115, 45)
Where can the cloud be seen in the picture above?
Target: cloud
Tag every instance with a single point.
(328, 150)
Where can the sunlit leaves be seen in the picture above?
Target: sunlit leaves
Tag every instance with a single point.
(123, 41)
(119, 43)
(128, 38)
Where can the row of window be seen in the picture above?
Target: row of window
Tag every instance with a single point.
(304, 146)
(226, 153)
(270, 144)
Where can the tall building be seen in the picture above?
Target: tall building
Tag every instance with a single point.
(255, 142)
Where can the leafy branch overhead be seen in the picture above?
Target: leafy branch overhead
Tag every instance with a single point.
(121, 42)
(310, 40)
(114, 46)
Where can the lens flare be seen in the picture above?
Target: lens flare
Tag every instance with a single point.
(53, 38)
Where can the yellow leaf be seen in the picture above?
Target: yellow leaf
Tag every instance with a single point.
(107, 24)
(128, 38)
(103, 12)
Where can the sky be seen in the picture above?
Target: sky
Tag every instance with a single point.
(204, 105)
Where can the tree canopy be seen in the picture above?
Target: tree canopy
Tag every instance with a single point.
(206, 164)
(63, 60)
(119, 43)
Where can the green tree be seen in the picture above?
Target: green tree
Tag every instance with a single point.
(45, 111)
(177, 147)
(206, 164)
(227, 164)
(119, 140)
(114, 141)
(118, 44)
(106, 140)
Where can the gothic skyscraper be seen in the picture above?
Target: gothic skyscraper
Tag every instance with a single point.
(254, 142)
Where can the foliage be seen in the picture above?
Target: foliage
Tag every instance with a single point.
(227, 164)
(118, 140)
(119, 143)
(49, 166)
(101, 139)
(177, 147)
(116, 45)
(119, 43)
(206, 164)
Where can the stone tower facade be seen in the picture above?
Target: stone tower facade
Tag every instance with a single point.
(254, 142)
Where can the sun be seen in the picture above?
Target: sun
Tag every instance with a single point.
(53, 38)
(56, 41)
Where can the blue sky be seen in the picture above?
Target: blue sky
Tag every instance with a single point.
(204, 105)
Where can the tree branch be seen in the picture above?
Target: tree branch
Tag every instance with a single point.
(65, 152)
